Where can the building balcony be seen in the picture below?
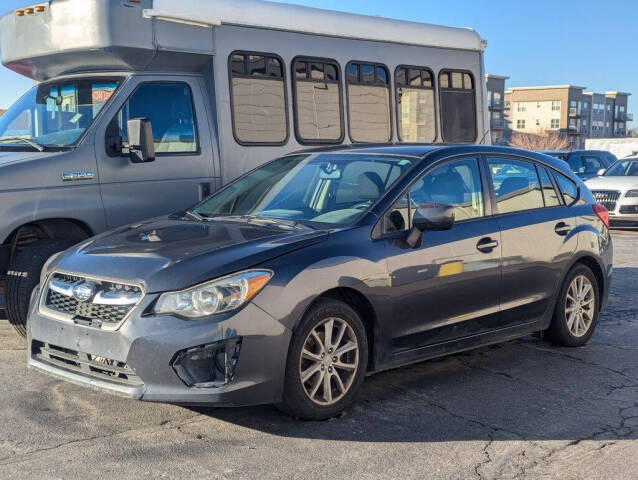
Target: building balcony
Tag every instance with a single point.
(496, 105)
(497, 125)
(624, 117)
(620, 133)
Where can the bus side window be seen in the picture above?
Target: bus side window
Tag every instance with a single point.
(457, 91)
(258, 99)
(316, 86)
(415, 104)
(369, 103)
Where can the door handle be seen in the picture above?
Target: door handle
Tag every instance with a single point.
(562, 229)
(486, 245)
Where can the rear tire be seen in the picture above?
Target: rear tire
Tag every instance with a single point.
(24, 275)
(332, 379)
(577, 308)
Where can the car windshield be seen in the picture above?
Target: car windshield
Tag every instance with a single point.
(334, 189)
(623, 168)
(55, 114)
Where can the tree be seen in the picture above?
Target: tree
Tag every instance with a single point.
(539, 141)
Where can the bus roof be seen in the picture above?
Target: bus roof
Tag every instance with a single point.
(315, 21)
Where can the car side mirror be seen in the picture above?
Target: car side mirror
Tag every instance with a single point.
(140, 140)
(434, 217)
(601, 172)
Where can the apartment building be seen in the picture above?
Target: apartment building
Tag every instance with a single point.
(496, 103)
(569, 110)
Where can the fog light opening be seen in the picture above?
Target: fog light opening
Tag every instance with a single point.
(208, 366)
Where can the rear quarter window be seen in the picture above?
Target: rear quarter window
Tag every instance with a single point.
(568, 189)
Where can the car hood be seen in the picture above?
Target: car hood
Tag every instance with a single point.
(612, 183)
(170, 253)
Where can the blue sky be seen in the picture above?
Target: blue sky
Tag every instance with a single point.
(542, 42)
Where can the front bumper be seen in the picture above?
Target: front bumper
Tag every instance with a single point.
(148, 345)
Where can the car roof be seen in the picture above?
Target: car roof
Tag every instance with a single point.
(437, 151)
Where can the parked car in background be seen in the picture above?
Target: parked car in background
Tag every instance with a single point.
(584, 163)
(617, 190)
(294, 281)
(145, 107)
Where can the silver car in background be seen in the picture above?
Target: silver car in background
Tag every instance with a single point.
(617, 189)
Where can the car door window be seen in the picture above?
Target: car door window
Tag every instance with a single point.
(169, 107)
(516, 185)
(455, 182)
(575, 164)
(549, 192)
(591, 165)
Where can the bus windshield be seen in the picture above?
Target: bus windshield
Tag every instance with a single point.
(55, 114)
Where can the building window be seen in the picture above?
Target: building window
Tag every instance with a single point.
(555, 123)
(317, 101)
(556, 105)
(458, 107)
(258, 96)
(169, 107)
(521, 107)
(520, 124)
(415, 104)
(538, 122)
(369, 102)
(538, 104)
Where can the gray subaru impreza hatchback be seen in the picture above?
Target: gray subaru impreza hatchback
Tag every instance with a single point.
(297, 279)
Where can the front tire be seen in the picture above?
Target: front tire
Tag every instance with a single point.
(24, 275)
(327, 362)
(577, 309)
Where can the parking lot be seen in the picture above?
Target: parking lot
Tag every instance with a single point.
(523, 409)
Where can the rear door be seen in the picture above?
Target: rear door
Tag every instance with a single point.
(446, 288)
(182, 173)
(537, 236)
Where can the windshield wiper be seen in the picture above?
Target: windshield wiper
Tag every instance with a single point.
(32, 143)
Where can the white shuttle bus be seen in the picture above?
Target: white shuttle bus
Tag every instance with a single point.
(223, 85)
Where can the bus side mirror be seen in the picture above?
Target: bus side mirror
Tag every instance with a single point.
(140, 140)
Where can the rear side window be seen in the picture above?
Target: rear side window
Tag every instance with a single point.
(415, 104)
(317, 98)
(458, 107)
(549, 192)
(369, 103)
(169, 107)
(516, 185)
(568, 189)
(258, 96)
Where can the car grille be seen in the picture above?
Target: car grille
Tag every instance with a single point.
(608, 198)
(105, 304)
(85, 364)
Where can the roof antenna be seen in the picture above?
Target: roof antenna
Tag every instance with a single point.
(483, 139)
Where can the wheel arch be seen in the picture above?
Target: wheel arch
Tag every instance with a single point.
(359, 303)
(43, 229)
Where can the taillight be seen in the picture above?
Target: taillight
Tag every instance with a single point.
(602, 213)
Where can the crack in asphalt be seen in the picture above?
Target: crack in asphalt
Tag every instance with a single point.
(153, 428)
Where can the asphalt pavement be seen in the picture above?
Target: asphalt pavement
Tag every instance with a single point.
(523, 409)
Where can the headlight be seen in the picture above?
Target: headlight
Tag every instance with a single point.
(217, 296)
(45, 267)
(631, 194)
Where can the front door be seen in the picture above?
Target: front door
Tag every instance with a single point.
(182, 172)
(448, 287)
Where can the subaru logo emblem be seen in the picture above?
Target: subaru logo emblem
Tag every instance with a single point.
(83, 292)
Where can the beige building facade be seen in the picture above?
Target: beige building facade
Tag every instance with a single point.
(569, 110)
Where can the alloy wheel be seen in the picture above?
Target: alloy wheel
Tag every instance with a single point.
(329, 361)
(580, 306)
